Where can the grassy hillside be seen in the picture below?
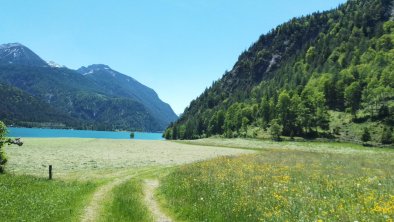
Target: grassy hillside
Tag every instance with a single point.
(301, 72)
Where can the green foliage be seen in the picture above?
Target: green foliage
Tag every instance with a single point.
(265, 111)
(3, 157)
(366, 136)
(387, 135)
(168, 134)
(275, 130)
(339, 60)
(132, 135)
(353, 97)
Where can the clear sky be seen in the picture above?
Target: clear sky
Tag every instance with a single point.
(176, 47)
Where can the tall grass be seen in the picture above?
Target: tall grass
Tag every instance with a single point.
(26, 198)
(127, 204)
(284, 186)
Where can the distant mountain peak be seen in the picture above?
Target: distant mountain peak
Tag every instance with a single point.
(16, 53)
(10, 45)
(55, 65)
(95, 68)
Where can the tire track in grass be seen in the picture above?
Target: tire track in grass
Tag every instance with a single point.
(149, 189)
(93, 209)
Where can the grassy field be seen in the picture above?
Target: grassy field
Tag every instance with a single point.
(311, 146)
(97, 159)
(287, 181)
(80, 168)
(27, 198)
(200, 180)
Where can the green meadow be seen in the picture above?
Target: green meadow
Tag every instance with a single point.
(93, 179)
(201, 180)
(285, 185)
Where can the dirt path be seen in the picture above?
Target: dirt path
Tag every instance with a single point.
(149, 190)
(92, 210)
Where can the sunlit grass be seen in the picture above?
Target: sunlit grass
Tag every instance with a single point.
(127, 204)
(26, 198)
(284, 185)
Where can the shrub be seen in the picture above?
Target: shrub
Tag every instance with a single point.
(366, 136)
(387, 135)
(3, 157)
(4, 140)
(275, 130)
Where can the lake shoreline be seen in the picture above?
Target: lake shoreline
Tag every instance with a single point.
(73, 133)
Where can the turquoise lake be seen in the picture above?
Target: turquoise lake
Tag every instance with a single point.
(58, 133)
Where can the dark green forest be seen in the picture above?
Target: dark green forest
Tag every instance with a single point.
(33, 96)
(327, 75)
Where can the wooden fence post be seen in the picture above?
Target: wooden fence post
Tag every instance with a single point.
(50, 172)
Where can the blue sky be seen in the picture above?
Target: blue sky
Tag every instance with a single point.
(176, 47)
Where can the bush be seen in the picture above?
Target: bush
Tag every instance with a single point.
(366, 136)
(3, 157)
(337, 130)
(132, 135)
(387, 135)
(275, 130)
(4, 140)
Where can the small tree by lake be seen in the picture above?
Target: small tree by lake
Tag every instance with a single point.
(132, 135)
(4, 140)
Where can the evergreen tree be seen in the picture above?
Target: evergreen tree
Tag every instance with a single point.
(265, 111)
(275, 130)
(387, 135)
(366, 136)
(353, 97)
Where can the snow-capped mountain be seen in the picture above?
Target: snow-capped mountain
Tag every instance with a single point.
(16, 53)
(118, 84)
(95, 68)
(55, 65)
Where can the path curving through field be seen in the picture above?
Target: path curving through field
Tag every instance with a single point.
(149, 190)
(93, 209)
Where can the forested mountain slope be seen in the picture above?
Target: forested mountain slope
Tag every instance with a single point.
(118, 84)
(304, 75)
(37, 94)
(13, 100)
